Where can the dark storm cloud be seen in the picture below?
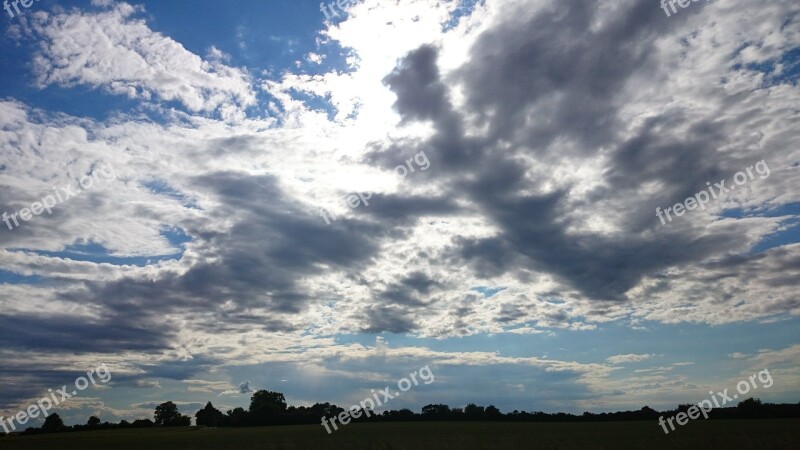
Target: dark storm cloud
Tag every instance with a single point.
(256, 264)
(601, 267)
(76, 335)
(420, 282)
(399, 209)
(681, 166)
(555, 66)
(488, 257)
(38, 378)
(273, 243)
(420, 93)
(510, 314)
(395, 305)
(392, 319)
(69, 335)
(558, 75)
(180, 369)
(398, 296)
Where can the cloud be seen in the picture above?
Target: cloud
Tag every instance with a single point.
(553, 128)
(188, 408)
(119, 53)
(244, 388)
(552, 218)
(535, 104)
(619, 359)
(147, 384)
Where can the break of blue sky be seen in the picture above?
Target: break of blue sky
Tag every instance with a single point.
(677, 356)
(96, 253)
(487, 291)
(789, 232)
(783, 69)
(267, 38)
(527, 268)
(163, 188)
(15, 278)
(789, 235)
(616, 338)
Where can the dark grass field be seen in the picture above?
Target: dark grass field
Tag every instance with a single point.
(731, 434)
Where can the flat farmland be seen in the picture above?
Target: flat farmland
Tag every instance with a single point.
(728, 434)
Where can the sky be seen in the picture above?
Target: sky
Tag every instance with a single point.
(555, 205)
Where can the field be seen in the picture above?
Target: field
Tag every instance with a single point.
(732, 434)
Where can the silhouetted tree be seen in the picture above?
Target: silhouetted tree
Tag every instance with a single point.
(647, 413)
(750, 408)
(267, 407)
(325, 409)
(492, 412)
(209, 416)
(473, 411)
(53, 424)
(402, 414)
(438, 412)
(142, 423)
(167, 415)
(93, 422)
(236, 417)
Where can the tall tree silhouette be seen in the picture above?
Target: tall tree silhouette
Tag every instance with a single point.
(53, 423)
(267, 407)
(93, 422)
(209, 416)
(167, 415)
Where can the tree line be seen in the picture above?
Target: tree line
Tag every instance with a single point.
(270, 408)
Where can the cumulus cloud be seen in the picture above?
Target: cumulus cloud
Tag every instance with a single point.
(116, 51)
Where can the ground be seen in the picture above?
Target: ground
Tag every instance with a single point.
(728, 434)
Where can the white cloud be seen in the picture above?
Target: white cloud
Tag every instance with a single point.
(115, 51)
(618, 359)
(244, 388)
(311, 160)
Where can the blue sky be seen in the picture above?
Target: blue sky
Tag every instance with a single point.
(525, 264)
